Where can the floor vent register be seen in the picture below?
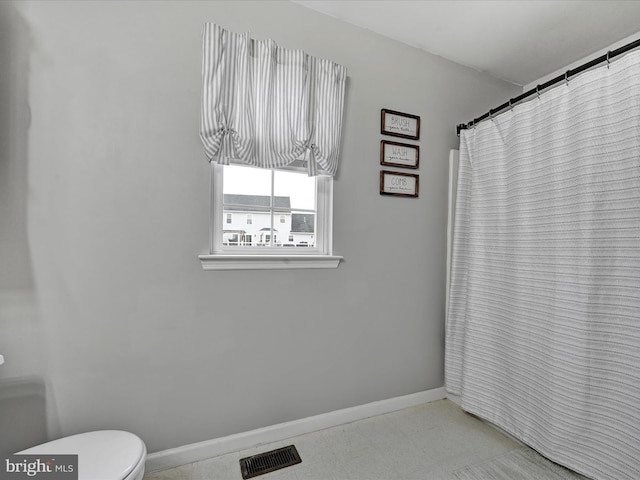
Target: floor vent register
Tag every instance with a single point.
(269, 461)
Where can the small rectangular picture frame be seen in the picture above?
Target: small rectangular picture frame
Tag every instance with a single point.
(399, 154)
(399, 184)
(399, 124)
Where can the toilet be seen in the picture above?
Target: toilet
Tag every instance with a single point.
(102, 455)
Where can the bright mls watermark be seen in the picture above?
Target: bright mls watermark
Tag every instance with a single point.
(49, 467)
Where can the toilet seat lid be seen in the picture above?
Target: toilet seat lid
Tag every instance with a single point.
(105, 454)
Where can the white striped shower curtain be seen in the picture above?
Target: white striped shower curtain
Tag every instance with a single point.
(543, 327)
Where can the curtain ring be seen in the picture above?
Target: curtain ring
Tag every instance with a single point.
(608, 61)
(538, 90)
(510, 104)
(491, 114)
(566, 77)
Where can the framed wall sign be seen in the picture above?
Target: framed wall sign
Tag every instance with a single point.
(399, 154)
(399, 124)
(397, 183)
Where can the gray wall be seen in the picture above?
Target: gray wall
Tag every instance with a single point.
(104, 208)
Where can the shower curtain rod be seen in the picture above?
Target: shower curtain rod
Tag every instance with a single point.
(536, 91)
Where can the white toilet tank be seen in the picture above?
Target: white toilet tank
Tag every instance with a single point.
(102, 455)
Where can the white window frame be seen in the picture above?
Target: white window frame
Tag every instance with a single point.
(221, 257)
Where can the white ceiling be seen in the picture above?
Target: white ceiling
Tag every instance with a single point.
(520, 41)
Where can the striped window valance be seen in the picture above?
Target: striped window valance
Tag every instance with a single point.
(268, 106)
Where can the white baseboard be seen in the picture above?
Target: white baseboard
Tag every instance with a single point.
(195, 452)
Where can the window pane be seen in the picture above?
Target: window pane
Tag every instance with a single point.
(246, 180)
(299, 187)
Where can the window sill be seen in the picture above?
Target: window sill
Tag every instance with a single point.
(267, 262)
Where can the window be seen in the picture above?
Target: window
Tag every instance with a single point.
(228, 218)
(288, 216)
(285, 196)
(269, 198)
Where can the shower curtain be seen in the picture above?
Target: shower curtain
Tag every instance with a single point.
(543, 327)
